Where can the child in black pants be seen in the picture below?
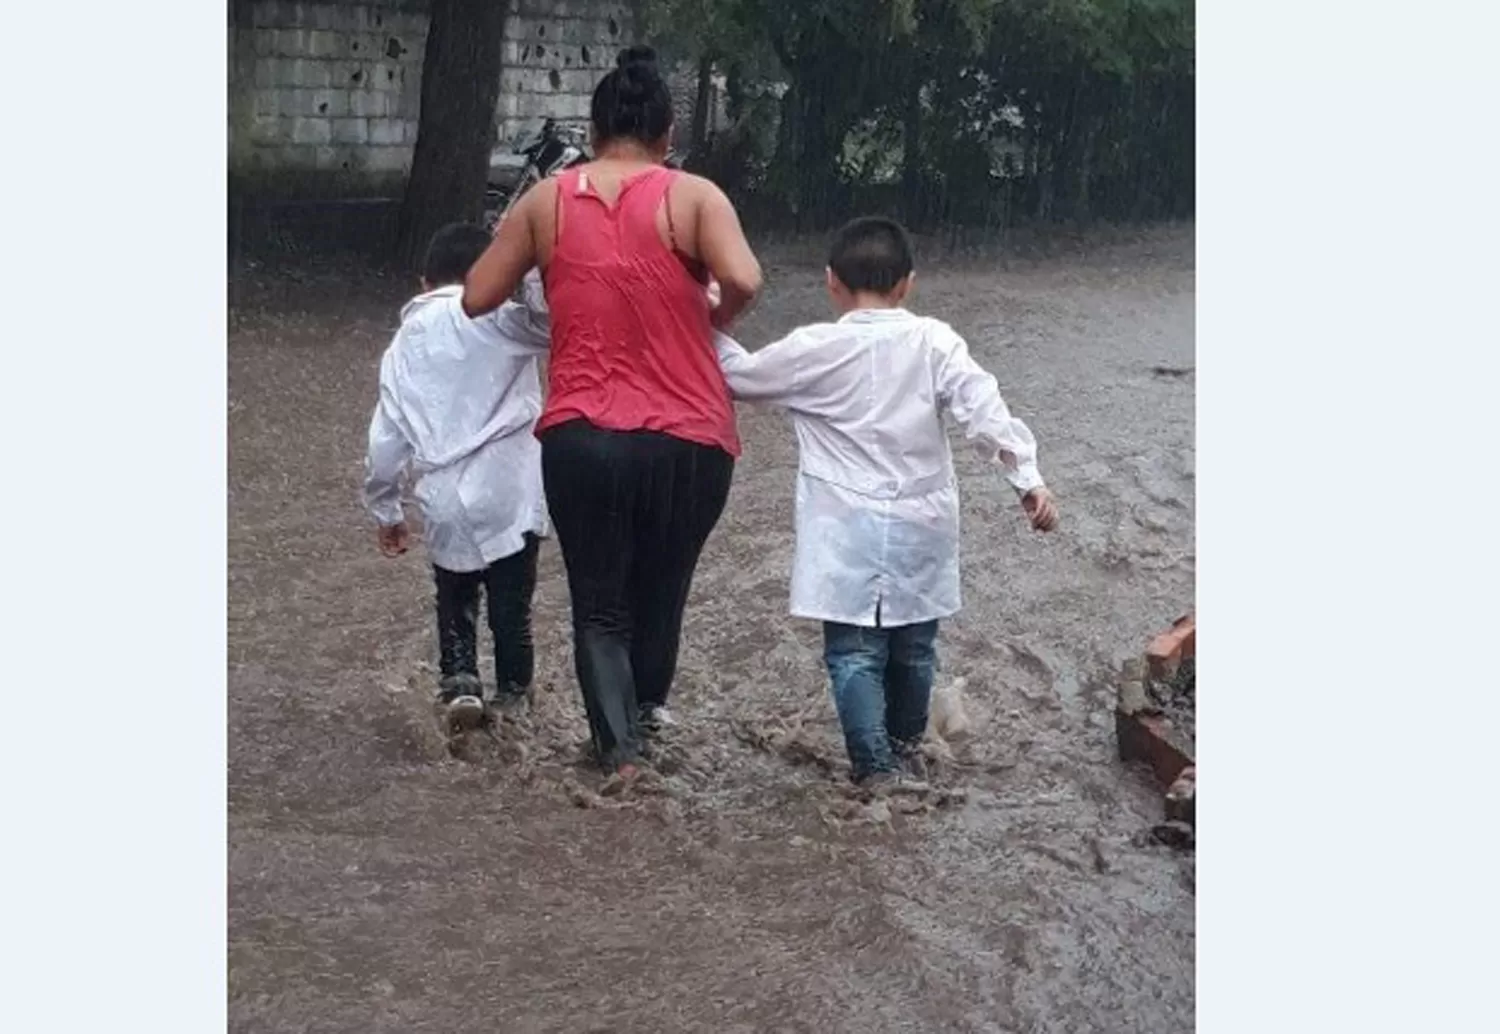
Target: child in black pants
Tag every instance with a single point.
(459, 400)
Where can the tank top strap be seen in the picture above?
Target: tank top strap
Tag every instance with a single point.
(639, 202)
(570, 183)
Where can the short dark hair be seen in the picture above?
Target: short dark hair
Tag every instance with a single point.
(871, 253)
(454, 249)
(632, 102)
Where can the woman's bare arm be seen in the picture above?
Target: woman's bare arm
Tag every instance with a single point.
(723, 249)
(510, 256)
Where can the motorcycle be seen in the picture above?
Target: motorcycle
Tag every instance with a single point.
(551, 150)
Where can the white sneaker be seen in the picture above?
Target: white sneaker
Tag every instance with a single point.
(655, 719)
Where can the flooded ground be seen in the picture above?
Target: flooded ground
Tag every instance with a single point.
(378, 884)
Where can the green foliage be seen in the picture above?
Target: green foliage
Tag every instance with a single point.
(1045, 108)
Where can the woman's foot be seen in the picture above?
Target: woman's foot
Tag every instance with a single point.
(657, 718)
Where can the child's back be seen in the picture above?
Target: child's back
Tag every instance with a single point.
(463, 397)
(877, 502)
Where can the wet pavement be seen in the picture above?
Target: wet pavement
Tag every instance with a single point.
(378, 883)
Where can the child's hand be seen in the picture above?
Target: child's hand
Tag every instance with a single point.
(715, 295)
(1041, 508)
(394, 540)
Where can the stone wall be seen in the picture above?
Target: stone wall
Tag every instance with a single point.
(555, 53)
(324, 98)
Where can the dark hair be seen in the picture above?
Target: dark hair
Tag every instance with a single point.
(453, 250)
(632, 102)
(871, 253)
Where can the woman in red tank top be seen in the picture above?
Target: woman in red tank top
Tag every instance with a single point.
(638, 433)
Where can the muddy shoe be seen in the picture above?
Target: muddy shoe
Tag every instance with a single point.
(908, 786)
(460, 703)
(914, 764)
(451, 687)
(893, 784)
(510, 703)
(876, 784)
(465, 713)
(620, 780)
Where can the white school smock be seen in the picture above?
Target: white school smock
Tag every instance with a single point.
(459, 400)
(877, 502)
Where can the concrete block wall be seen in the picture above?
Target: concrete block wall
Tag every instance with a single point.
(555, 53)
(334, 94)
(325, 97)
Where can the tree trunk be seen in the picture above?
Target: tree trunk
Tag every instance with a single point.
(460, 88)
(734, 92)
(820, 133)
(1083, 211)
(911, 154)
(702, 102)
(788, 143)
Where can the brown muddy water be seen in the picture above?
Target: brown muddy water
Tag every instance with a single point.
(378, 884)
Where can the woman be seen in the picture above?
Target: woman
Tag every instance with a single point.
(638, 433)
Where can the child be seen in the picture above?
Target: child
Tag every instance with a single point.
(877, 506)
(458, 402)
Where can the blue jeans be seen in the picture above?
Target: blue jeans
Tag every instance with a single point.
(882, 685)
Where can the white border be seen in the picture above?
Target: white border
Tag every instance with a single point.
(1346, 218)
(1347, 233)
(114, 568)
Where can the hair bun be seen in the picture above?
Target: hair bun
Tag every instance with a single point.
(638, 55)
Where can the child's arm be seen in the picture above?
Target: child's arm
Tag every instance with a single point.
(777, 374)
(515, 326)
(386, 460)
(972, 395)
(523, 323)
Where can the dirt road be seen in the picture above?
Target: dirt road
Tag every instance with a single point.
(379, 885)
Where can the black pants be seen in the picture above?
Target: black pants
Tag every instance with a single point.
(632, 511)
(508, 584)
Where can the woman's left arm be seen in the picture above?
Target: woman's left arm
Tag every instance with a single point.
(509, 257)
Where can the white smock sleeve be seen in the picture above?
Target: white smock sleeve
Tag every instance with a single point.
(778, 374)
(521, 328)
(972, 396)
(388, 454)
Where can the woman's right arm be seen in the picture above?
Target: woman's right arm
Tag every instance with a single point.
(723, 249)
(509, 257)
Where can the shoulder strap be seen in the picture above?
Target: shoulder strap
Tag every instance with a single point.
(567, 182)
(641, 203)
(666, 200)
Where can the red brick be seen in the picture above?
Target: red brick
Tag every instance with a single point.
(1172, 647)
(1148, 739)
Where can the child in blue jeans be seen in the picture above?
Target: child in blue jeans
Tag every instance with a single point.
(877, 504)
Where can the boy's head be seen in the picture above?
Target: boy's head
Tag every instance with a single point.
(870, 265)
(453, 250)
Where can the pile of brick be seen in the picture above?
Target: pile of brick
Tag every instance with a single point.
(1152, 689)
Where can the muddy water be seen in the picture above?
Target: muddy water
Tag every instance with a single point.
(378, 883)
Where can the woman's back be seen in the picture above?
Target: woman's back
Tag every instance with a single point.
(638, 438)
(631, 333)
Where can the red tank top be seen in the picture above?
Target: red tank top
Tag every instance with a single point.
(632, 346)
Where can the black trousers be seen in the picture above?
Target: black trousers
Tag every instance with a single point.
(632, 511)
(508, 585)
